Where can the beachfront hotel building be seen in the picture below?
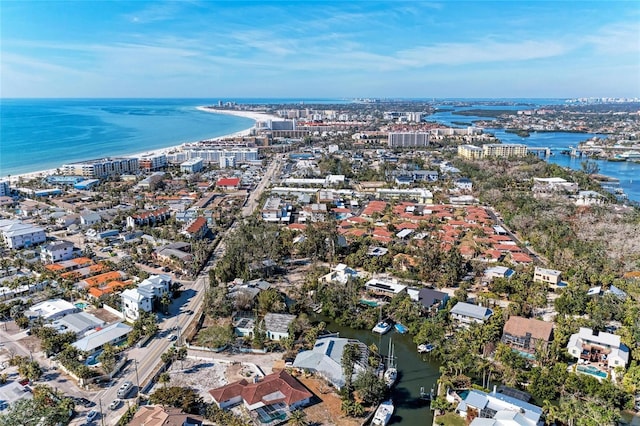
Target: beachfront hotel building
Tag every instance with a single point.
(408, 139)
(191, 166)
(103, 167)
(152, 162)
(4, 188)
(213, 155)
(493, 150)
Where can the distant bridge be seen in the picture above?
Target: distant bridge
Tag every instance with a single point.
(538, 151)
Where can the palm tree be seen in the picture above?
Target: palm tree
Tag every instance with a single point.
(165, 301)
(164, 379)
(298, 418)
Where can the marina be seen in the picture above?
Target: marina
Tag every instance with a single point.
(415, 371)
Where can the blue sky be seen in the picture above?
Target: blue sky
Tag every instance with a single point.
(319, 49)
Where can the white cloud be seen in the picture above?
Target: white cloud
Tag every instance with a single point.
(616, 39)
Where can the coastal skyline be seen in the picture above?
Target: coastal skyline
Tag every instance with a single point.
(320, 49)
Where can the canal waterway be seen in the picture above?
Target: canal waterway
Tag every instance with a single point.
(628, 173)
(415, 371)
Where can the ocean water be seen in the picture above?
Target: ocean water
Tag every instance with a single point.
(38, 134)
(627, 172)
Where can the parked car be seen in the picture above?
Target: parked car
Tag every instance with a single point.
(172, 337)
(114, 404)
(84, 402)
(92, 415)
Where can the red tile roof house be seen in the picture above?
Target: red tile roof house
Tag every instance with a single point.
(279, 391)
(197, 228)
(228, 184)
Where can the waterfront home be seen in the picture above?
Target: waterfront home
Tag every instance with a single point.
(589, 198)
(277, 325)
(276, 393)
(430, 300)
(325, 359)
(498, 409)
(385, 287)
(603, 349)
(526, 333)
(466, 313)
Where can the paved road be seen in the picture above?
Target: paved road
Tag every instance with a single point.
(538, 259)
(267, 178)
(145, 360)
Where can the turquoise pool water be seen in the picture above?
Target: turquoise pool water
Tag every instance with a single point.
(369, 303)
(589, 369)
(92, 361)
(525, 354)
(80, 305)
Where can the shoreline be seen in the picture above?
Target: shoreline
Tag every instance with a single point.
(255, 116)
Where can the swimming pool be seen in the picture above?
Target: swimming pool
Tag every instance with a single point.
(369, 303)
(525, 354)
(93, 361)
(463, 394)
(271, 413)
(80, 305)
(590, 369)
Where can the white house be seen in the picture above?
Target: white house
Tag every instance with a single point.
(277, 325)
(133, 302)
(51, 309)
(142, 298)
(497, 409)
(497, 272)
(598, 348)
(464, 184)
(549, 276)
(89, 218)
(17, 235)
(56, 251)
(112, 334)
(589, 198)
(340, 274)
(466, 313)
(385, 287)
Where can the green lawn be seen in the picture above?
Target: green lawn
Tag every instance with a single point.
(450, 419)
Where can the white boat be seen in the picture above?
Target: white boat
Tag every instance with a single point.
(391, 373)
(390, 376)
(382, 327)
(425, 348)
(383, 413)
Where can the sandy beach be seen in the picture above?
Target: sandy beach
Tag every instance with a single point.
(255, 116)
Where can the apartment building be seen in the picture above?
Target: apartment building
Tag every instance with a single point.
(408, 139)
(100, 168)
